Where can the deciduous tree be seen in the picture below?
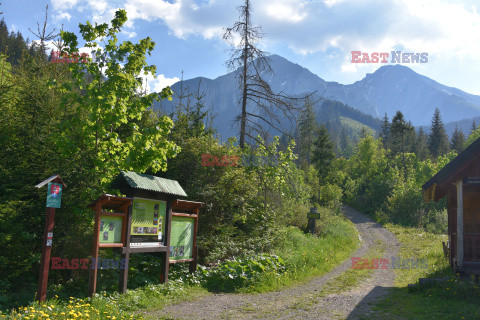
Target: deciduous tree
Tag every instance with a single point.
(111, 105)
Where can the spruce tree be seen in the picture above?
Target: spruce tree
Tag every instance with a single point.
(421, 145)
(306, 132)
(474, 127)
(384, 133)
(438, 142)
(345, 144)
(401, 135)
(323, 154)
(457, 142)
(363, 133)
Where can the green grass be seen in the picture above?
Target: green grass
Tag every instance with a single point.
(356, 126)
(351, 277)
(108, 305)
(453, 299)
(307, 256)
(418, 244)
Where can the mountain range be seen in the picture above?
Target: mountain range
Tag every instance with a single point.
(388, 89)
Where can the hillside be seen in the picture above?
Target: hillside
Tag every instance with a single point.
(388, 89)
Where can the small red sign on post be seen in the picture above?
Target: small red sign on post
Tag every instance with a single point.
(55, 184)
(55, 189)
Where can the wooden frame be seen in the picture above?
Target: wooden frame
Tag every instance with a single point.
(121, 207)
(145, 187)
(189, 209)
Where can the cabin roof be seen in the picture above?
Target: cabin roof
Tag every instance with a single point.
(150, 183)
(457, 169)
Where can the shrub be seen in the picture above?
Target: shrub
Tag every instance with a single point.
(239, 273)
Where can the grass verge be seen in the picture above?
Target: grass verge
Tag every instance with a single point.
(307, 256)
(452, 299)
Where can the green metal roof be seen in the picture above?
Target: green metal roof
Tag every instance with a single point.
(152, 183)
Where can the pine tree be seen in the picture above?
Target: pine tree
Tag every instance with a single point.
(384, 133)
(438, 142)
(345, 144)
(474, 127)
(306, 132)
(420, 147)
(323, 154)
(457, 142)
(363, 133)
(401, 135)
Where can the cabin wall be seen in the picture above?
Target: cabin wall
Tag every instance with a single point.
(471, 223)
(452, 222)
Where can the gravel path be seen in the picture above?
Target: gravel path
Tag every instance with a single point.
(304, 301)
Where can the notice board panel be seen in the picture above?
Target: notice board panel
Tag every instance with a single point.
(148, 217)
(110, 229)
(181, 238)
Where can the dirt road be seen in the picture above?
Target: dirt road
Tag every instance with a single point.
(309, 300)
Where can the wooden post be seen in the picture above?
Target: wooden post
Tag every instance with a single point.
(47, 239)
(311, 225)
(46, 252)
(92, 285)
(166, 255)
(126, 255)
(459, 254)
(193, 264)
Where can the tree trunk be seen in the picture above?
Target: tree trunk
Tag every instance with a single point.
(243, 121)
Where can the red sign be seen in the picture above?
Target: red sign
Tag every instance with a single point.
(55, 189)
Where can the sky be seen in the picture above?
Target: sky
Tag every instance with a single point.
(319, 35)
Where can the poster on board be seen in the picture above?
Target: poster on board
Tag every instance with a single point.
(181, 238)
(110, 229)
(148, 218)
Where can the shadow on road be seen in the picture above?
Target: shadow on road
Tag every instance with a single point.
(363, 309)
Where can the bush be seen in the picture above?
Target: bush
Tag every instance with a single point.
(330, 196)
(234, 274)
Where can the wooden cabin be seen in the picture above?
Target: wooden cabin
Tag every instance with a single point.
(459, 181)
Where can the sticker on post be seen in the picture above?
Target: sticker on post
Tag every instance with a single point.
(54, 195)
(49, 242)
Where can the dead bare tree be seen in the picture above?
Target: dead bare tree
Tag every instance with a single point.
(261, 108)
(42, 34)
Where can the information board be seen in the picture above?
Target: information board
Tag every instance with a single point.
(110, 229)
(181, 238)
(148, 218)
(54, 195)
(313, 214)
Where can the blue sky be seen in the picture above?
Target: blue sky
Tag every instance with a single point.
(317, 34)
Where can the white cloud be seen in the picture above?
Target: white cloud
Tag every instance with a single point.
(130, 34)
(64, 4)
(62, 16)
(156, 84)
(161, 82)
(285, 11)
(98, 5)
(311, 26)
(184, 17)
